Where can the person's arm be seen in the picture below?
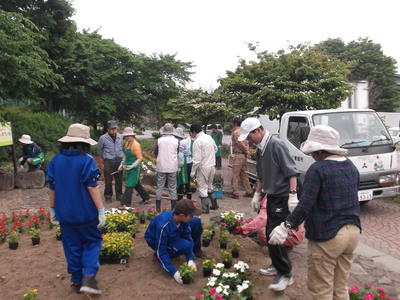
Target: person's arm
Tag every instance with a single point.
(240, 145)
(162, 253)
(220, 138)
(293, 183)
(100, 146)
(137, 151)
(155, 148)
(259, 172)
(94, 192)
(196, 156)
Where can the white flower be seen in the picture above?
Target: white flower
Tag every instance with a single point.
(216, 272)
(241, 266)
(219, 289)
(239, 288)
(219, 265)
(245, 284)
(211, 281)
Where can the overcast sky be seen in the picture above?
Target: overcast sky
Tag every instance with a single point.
(213, 34)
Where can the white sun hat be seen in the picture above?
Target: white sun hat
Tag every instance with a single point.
(248, 126)
(25, 139)
(78, 133)
(168, 128)
(128, 131)
(323, 137)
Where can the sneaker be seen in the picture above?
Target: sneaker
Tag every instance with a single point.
(89, 286)
(76, 287)
(268, 271)
(281, 282)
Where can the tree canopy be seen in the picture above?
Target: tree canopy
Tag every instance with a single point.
(275, 83)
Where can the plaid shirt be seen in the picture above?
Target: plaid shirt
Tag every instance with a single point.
(329, 199)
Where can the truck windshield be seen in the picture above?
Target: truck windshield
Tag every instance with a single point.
(356, 129)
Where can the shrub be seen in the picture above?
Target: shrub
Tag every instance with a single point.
(156, 134)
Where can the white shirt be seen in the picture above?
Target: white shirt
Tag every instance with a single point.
(167, 158)
(204, 149)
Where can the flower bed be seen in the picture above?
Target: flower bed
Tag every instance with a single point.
(368, 293)
(120, 221)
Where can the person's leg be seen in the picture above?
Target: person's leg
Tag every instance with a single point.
(244, 177)
(197, 230)
(73, 249)
(142, 192)
(127, 196)
(161, 178)
(180, 190)
(118, 180)
(182, 247)
(344, 261)
(202, 185)
(172, 189)
(91, 236)
(218, 162)
(187, 186)
(236, 166)
(108, 167)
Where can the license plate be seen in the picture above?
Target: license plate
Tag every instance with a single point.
(365, 195)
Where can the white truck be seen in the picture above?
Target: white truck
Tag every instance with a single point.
(362, 132)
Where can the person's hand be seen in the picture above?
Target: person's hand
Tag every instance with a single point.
(178, 278)
(53, 219)
(121, 165)
(255, 202)
(192, 175)
(192, 264)
(132, 166)
(20, 160)
(292, 202)
(21, 167)
(278, 235)
(102, 218)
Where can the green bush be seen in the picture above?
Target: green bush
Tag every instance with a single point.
(156, 134)
(147, 144)
(44, 128)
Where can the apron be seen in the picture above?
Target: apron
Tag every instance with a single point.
(182, 175)
(133, 175)
(215, 138)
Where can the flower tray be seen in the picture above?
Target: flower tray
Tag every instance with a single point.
(123, 260)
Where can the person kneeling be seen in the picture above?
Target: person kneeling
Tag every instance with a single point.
(175, 233)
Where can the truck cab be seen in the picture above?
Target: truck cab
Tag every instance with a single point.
(370, 146)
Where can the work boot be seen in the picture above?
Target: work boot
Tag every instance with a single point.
(89, 286)
(214, 203)
(158, 205)
(173, 203)
(205, 205)
(189, 196)
(180, 197)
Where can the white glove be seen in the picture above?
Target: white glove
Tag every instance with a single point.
(102, 218)
(278, 235)
(292, 202)
(191, 263)
(178, 278)
(130, 167)
(53, 219)
(20, 160)
(121, 165)
(255, 202)
(21, 167)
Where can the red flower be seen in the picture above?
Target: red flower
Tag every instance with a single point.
(213, 292)
(1, 224)
(4, 231)
(223, 224)
(380, 290)
(19, 224)
(14, 228)
(30, 223)
(199, 297)
(218, 297)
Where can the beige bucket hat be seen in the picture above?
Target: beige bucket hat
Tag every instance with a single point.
(78, 133)
(168, 128)
(25, 139)
(323, 137)
(128, 131)
(179, 133)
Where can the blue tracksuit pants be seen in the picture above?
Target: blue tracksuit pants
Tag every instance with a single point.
(184, 247)
(82, 247)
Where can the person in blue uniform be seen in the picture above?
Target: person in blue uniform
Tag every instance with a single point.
(175, 233)
(75, 203)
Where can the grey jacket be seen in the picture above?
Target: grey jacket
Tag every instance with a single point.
(107, 149)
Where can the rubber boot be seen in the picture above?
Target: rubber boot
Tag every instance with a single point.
(214, 203)
(158, 205)
(173, 203)
(205, 205)
(180, 197)
(189, 196)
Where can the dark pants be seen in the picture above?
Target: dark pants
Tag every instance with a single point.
(277, 211)
(127, 196)
(111, 166)
(185, 188)
(218, 162)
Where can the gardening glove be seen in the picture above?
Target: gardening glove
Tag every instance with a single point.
(121, 165)
(130, 167)
(292, 202)
(102, 218)
(255, 202)
(191, 263)
(178, 278)
(278, 235)
(53, 219)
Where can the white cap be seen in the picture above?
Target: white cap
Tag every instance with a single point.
(247, 126)
(323, 137)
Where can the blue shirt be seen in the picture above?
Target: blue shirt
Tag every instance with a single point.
(162, 233)
(108, 149)
(329, 199)
(69, 175)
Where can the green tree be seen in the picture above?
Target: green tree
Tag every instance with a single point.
(25, 67)
(368, 62)
(300, 79)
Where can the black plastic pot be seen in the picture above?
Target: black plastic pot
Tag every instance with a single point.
(207, 272)
(35, 241)
(205, 243)
(58, 237)
(235, 254)
(222, 245)
(13, 246)
(142, 221)
(227, 264)
(186, 280)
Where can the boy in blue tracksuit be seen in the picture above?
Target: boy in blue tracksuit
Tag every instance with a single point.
(175, 233)
(75, 202)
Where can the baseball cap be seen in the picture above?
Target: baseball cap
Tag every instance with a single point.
(187, 207)
(247, 126)
(112, 124)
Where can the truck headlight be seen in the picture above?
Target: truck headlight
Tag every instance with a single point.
(387, 180)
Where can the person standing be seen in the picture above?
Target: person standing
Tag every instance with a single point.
(166, 149)
(277, 178)
(110, 150)
(217, 137)
(31, 153)
(132, 165)
(183, 175)
(203, 169)
(189, 162)
(75, 203)
(239, 164)
(329, 205)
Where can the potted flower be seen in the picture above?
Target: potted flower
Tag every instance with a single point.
(35, 235)
(223, 239)
(141, 214)
(242, 269)
(212, 229)
(226, 259)
(186, 272)
(151, 213)
(31, 295)
(3, 235)
(58, 233)
(13, 240)
(116, 248)
(232, 219)
(132, 230)
(208, 266)
(245, 290)
(235, 249)
(206, 238)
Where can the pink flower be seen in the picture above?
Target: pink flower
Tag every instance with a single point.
(224, 224)
(381, 296)
(354, 288)
(380, 290)
(218, 297)
(369, 296)
(137, 209)
(199, 297)
(213, 292)
(367, 286)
